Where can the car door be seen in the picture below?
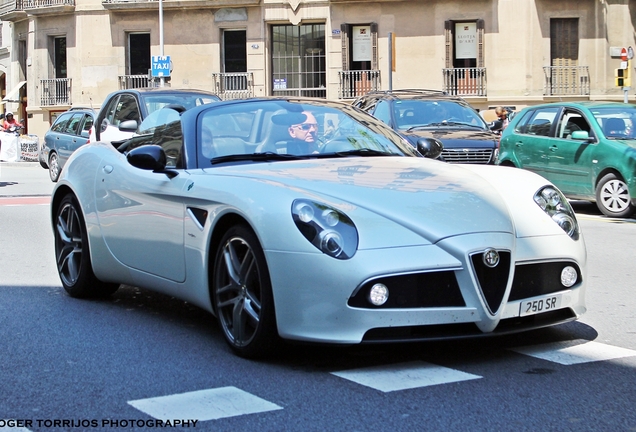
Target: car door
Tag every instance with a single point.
(141, 213)
(532, 138)
(570, 160)
(68, 136)
(120, 108)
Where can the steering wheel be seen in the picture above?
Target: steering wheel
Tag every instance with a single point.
(336, 145)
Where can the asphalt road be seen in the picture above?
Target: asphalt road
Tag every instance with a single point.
(140, 357)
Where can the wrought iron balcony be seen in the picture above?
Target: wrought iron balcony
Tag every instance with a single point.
(11, 10)
(236, 85)
(465, 81)
(56, 91)
(175, 4)
(136, 81)
(566, 80)
(356, 83)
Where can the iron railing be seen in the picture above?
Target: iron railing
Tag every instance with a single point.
(566, 80)
(34, 4)
(56, 91)
(465, 81)
(356, 83)
(138, 81)
(235, 85)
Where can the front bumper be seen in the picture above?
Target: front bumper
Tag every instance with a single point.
(312, 298)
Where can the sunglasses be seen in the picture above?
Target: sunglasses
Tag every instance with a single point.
(307, 126)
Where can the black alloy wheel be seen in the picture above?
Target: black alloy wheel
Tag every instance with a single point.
(242, 294)
(72, 253)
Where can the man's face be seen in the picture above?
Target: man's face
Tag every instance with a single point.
(305, 131)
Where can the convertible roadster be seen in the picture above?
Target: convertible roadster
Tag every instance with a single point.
(286, 229)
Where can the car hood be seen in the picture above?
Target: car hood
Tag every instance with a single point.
(431, 198)
(456, 138)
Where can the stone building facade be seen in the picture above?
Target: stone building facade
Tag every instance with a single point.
(55, 54)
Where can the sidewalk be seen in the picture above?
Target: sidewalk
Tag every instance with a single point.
(24, 179)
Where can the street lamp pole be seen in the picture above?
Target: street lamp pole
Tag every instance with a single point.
(161, 79)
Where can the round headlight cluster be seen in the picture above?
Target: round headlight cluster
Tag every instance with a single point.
(569, 276)
(328, 229)
(555, 205)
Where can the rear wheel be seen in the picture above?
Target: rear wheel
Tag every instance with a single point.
(72, 254)
(54, 167)
(613, 198)
(242, 294)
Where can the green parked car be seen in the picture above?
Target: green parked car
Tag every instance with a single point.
(587, 149)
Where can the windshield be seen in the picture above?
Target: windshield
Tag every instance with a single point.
(276, 130)
(187, 100)
(421, 113)
(617, 122)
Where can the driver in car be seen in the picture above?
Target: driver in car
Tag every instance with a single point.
(304, 136)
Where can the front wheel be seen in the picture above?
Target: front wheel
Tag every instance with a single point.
(242, 294)
(72, 254)
(613, 198)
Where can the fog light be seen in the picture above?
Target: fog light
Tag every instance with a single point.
(568, 276)
(379, 294)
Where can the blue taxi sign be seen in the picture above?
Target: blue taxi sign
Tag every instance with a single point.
(161, 66)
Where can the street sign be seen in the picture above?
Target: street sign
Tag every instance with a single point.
(624, 54)
(161, 66)
(630, 53)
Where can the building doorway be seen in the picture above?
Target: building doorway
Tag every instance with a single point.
(234, 60)
(138, 53)
(298, 60)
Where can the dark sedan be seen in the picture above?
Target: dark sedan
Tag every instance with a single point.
(425, 114)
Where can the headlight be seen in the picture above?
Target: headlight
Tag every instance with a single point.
(552, 201)
(330, 230)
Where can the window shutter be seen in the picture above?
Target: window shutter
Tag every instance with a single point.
(374, 47)
(480, 43)
(448, 33)
(345, 30)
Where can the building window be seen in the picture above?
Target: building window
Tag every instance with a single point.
(59, 57)
(138, 53)
(298, 60)
(564, 41)
(359, 46)
(464, 44)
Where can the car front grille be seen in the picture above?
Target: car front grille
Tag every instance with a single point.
(467, 156)
(533, 280)
(419, 290)
(492, 280)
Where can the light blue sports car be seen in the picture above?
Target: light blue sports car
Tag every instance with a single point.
(309, 220)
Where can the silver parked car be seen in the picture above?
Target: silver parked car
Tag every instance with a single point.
(250, 211)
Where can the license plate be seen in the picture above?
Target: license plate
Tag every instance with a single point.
(538, 305)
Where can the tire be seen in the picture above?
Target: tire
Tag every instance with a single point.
(54, 167)
(242, 294)
(72, 253)
(613, 198)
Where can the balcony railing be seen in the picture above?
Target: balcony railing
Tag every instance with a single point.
(235, 85)
(465, 81)
(137, 81)
(34, 4)
(566, 80)
(357, 83)
(55, 92)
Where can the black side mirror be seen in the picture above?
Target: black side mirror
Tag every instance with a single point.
(148, 157)
(430, 147)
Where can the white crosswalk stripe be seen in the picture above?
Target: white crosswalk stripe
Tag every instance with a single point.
(202, 405)
(575, 352)
(404, 376)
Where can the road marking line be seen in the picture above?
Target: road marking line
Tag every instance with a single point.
(575, 352)
(404, 376)
(210, 404)
(13, 428)
(25, 200)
